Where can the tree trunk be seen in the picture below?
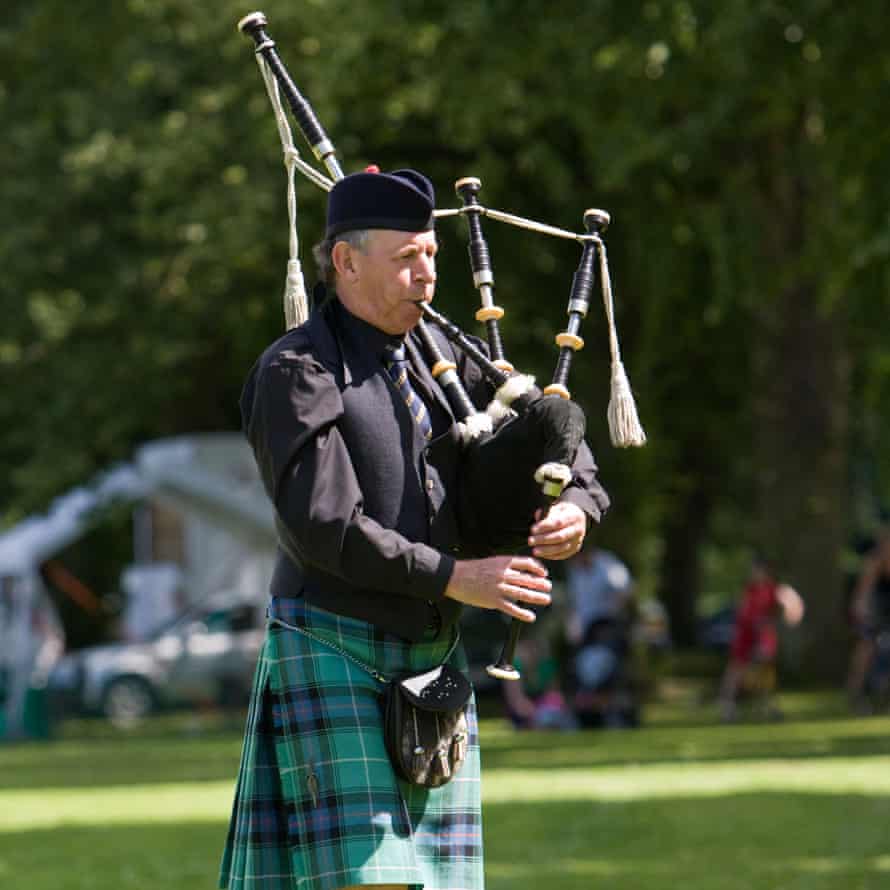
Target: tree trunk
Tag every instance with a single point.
(684, 535)
(801, 410)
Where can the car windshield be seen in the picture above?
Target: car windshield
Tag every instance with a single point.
(239, 617)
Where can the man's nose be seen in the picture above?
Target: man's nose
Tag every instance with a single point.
(426, 269)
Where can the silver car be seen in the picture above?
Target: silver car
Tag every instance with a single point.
(204, 656)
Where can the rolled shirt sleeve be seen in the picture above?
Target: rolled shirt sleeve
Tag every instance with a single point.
(584, 489)
(291, 406)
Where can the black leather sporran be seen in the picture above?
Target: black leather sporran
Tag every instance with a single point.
(425, 724)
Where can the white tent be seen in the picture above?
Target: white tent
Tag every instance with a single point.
(229, 533)
(228, 546)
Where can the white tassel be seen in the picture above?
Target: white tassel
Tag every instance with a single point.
(625, 429)
(624, 425)
(296, 307)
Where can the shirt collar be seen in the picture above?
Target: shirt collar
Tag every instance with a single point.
(362, 343)
(364, 338)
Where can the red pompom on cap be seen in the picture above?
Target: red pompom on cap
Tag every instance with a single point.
(372, 168)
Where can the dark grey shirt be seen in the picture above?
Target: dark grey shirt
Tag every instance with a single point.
(367, 510)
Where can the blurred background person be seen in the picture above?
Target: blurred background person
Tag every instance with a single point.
(755, 644)
(870, 613)
(536, 700)
(599, 621)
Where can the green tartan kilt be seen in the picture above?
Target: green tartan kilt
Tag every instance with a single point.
(317, 804)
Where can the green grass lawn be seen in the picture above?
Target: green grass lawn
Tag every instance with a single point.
(682, 802)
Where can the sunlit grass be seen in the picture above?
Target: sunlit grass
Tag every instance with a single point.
(171, 803)
(207, 801)
(801, 805)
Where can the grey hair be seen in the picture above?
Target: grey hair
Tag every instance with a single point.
(356, 239)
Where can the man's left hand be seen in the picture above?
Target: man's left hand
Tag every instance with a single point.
(559, 534)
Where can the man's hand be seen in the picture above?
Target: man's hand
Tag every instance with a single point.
(501, 582)
(559, 534)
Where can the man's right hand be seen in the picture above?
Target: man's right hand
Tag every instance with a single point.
(501, 582)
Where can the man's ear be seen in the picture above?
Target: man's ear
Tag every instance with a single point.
(343, 258)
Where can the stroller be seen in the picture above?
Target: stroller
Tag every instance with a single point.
(602, 687)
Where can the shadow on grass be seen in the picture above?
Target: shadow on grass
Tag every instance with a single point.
(123, 761)
(505, 749)
(731, 842)
(174, 856)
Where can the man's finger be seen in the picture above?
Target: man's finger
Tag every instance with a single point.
(551, 523)
(554, 537)
(527, 582)
(559, 515)
(516, 595)
(508, 607)
(536, 597)
(556, 551)
(528, 565)
(567, 534)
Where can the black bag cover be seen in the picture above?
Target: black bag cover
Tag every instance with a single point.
(499, 494)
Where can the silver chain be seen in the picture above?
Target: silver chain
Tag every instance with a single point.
(367, 668)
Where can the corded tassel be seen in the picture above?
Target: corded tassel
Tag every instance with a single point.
(419, 751)
(296, 309)
(625, 428)
(444, 765)
(458, 747)
(624, 425)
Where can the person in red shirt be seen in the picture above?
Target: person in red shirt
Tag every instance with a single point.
(755, 645)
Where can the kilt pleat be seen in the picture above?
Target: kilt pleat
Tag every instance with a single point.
(317, 804)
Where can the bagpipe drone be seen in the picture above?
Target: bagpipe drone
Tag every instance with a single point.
(519, 452)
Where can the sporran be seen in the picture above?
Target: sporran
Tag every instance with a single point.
(425, 724)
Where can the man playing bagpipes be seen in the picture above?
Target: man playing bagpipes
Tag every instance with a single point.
(359, 451)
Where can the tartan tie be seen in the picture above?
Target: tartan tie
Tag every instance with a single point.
(396, 363)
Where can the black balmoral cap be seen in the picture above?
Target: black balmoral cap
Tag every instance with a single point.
(401, 200)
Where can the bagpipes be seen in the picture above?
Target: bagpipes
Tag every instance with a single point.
(519, 452)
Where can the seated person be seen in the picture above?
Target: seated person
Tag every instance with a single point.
(601, 606)
(535, 700)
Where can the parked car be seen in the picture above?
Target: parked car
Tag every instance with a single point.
(204, 656)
